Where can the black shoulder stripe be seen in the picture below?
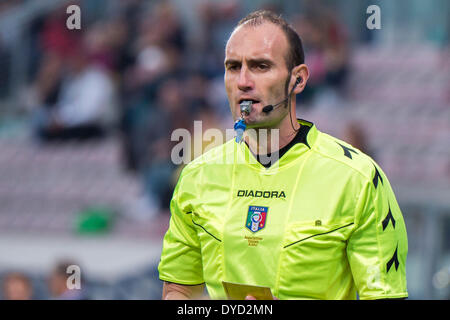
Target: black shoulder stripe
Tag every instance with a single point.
(393, 260)
(347, 151)
(376, 177)
(389, 217)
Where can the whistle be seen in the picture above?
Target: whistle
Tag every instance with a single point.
(246, 107)
(239, 125)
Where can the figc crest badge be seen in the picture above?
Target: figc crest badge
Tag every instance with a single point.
(256, 218)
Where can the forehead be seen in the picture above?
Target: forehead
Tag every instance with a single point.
(266, 40)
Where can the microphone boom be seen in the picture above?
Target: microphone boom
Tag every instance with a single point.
(270, 107)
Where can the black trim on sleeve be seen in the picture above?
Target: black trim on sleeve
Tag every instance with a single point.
(206, 231)
(182, 284)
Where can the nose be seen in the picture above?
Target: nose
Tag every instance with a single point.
(245, 81)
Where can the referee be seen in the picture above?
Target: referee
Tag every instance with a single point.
(319, 222)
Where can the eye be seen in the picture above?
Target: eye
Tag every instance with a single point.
(232, 67)
(262, 67)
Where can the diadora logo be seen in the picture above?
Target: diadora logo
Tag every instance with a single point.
(261, 194)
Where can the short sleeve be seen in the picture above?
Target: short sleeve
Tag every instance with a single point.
(181, 256)
(378, 246)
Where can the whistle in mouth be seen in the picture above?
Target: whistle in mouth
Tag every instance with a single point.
(246, 107)
(239, 125)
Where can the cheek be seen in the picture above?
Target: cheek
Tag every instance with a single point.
(278, 89)
(228, 80)
(270, 94)
(229, 89)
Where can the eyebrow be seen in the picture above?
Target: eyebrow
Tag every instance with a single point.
(231, 61)
(250, 61)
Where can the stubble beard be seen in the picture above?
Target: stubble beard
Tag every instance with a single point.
(262, 120)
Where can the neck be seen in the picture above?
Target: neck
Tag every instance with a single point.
(268, 140)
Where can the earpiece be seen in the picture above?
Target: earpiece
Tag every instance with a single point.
(299, 80)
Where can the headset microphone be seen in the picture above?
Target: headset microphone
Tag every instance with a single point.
(270, 107)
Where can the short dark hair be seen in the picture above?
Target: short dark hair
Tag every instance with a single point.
(295, 55)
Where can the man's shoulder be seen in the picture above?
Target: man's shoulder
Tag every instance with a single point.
(216, 155)
(343, 155)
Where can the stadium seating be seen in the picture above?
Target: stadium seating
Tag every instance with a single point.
(44, 187)
(400, 97)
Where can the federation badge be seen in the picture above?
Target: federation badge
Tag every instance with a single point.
(256, 218)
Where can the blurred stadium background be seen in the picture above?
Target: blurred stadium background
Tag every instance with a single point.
(93, 187)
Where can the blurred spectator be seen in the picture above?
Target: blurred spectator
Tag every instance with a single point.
(55, 37)
(107, 44)
(196, 88)
(44, 91)
(17, 286)
(326, 51)
(165, 26)
(157, 50)
(159, 44)
(169, 112)
(4, 69)
(355, 135)
(216, 19)
(6, 5)
(99, 44)
(57, 283)
(209, 120)
(85, 105)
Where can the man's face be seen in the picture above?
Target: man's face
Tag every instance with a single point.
(255, 69)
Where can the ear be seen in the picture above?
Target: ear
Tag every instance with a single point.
(299, 77)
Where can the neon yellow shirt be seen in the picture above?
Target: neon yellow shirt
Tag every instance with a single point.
(322, 223)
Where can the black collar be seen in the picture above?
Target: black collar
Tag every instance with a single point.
(300, 137)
